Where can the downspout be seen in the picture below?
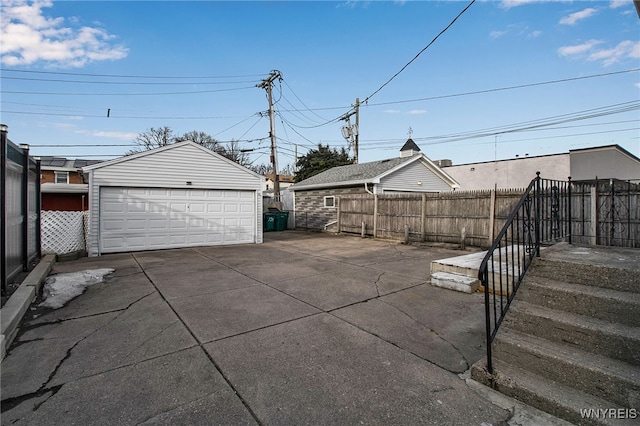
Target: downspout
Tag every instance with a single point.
(366, 188)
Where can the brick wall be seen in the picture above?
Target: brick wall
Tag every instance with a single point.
(48, 176)
(311, 212)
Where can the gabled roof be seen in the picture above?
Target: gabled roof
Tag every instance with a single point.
(410, 145)
(357, 174)
(172, 146)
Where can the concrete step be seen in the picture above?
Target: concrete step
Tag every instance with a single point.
(615, 278)
(596, 302)
(455, 282)
(547, 395)
(467, 264)
(600, 376)
(609, 339)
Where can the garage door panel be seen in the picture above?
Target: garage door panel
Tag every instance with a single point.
(154, 218)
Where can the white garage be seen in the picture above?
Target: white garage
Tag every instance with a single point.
(181, 195)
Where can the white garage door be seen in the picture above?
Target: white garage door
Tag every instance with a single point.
(155, 218)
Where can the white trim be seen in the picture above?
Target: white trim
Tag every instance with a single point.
(333, 202)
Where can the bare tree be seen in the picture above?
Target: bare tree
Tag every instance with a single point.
(202, 138)
(233, 152)
(153, 138)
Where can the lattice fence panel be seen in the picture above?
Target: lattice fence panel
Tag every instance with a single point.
(63, 232)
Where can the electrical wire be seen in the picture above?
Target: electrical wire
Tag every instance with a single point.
(126, 76)
(419, 53)
(125, 94)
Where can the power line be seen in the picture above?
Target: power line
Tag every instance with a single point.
(127, 76)
(126, 82)
(520, 86)
(419, 53)
(125, 94)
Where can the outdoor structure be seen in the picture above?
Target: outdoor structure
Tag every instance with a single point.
(316, 198)
(603, 162)
(63, 185)
(180, 195)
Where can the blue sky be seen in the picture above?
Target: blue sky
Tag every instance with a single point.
(507, 78)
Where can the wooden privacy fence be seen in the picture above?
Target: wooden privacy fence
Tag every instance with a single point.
(461, 217)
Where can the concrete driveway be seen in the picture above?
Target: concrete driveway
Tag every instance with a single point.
(306, 328)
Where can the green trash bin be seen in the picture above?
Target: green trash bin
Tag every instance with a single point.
(270, 221)
(281, 221)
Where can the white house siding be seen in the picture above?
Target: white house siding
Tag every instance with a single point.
(513, 173)
(415, 177)
(182, 165)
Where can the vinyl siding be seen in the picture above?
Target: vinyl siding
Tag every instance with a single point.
(406, 180)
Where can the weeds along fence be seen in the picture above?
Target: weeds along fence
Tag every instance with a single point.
(460, 217)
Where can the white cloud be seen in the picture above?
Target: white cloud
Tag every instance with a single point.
(497, 34)
(578, 48)
(637, 85)
(574, 18)
(28, 36)
(417, 112)
(508, 4)
(392, 111)
(534, 34)
(614, 4)
(626, 49)
(103, 134)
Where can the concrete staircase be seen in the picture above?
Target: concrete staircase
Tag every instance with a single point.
(571, 339)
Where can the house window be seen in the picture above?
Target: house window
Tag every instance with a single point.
(330, 201)
(62, 177)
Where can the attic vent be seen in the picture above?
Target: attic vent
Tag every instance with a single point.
(386, 161)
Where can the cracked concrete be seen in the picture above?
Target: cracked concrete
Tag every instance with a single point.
(306, 328)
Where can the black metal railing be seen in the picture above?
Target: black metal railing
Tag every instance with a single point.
(542, 215)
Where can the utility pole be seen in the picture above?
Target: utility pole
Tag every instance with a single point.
(267, 85)
(357, 130)
(351, 133)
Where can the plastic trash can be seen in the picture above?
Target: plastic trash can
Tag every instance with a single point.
(269, 221)
(281, 221)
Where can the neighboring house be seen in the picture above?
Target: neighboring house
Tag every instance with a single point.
(284, 180)
(180, 195)
(603, 162)
(316, 198)
(62, 184)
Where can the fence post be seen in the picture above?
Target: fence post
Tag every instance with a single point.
(492, 214)
(338, 214)
(3, 201)
(593, 228)
(38, 210)
(25, 206)
(538, 214)
(423, 218)
(375, 215)
(570, 201)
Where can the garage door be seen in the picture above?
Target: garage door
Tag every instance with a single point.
(156, 218)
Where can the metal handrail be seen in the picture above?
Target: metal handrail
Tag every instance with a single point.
(543, 214)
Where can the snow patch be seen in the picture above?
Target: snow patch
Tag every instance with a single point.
(59, 289)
